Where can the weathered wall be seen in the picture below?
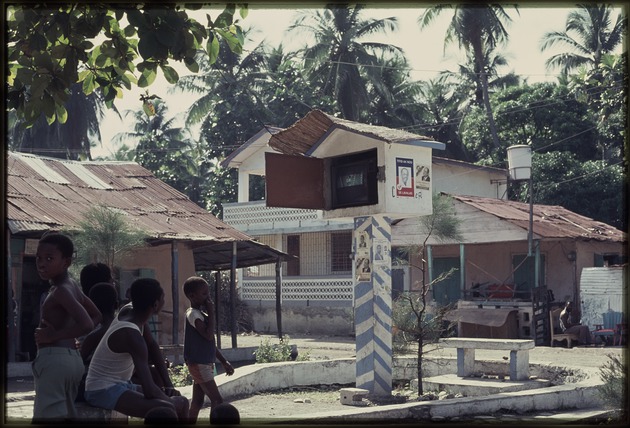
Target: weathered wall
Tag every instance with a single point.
(305, 320)
(159, 259)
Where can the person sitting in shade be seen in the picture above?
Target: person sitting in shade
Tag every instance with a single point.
(123, 349)
(567, 325)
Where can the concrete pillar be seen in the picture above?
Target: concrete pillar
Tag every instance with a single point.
(373, 304)
(465, 361)
(519, 365)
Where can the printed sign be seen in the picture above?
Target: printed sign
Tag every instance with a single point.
(423, 177)
(404, 177)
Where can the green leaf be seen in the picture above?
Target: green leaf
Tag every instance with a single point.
(233, 43)
(88, 84)
(62, 113)
(191, 64)
(39, 85)
(170, 74)
(147, 77)
(213, 49)
(244, 10)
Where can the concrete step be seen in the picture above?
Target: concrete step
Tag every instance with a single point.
(476, 387)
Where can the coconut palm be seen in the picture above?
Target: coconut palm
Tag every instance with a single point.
(479, 29)
(444, 102)
(341, 61)
(589, 34)
(393, 95)
(69, 140)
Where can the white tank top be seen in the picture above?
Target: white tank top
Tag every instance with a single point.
(107, 367)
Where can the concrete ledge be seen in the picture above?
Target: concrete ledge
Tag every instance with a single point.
(482, 343)
(519, 354)
(90, 414)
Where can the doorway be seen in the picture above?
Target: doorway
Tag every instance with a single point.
(447, 291)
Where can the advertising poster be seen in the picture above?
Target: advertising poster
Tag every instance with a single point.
(404, 177)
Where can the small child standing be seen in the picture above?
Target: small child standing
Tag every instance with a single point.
(200, 349)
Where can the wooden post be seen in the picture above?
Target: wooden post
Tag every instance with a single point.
(175, 292)
(279, 298)
(233, 295)
(217, 305)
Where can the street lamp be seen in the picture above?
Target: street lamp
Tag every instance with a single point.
(520, 169)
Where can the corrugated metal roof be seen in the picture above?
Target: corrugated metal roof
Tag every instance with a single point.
(57, 194)
(549, 221)
(308, 131)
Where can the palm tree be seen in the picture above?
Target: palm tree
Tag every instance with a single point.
(444, 102)
(394, 97)
(69, 140)
(588, 34)
(340, 60)
(160, 145)
(229, 91)
(479, 29)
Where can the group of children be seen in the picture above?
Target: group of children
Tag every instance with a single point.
(88, 349)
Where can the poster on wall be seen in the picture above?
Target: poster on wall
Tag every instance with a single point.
(404, 177)
(362, 266)
(423, 177)
(381, 252)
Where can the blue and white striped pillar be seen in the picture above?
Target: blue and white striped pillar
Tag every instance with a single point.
(373, 304)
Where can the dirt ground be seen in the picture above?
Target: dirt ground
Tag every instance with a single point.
(316, 399)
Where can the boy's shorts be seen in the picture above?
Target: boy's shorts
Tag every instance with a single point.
(201, 373)
(108, 397)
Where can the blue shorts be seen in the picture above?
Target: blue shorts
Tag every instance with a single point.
(108, 397)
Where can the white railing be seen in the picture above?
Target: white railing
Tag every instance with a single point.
(337, 288)
(258, 215)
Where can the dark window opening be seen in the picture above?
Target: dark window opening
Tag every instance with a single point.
(341, 248)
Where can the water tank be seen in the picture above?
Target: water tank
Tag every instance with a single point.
(520, 162)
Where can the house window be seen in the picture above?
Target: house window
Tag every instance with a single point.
(293, 248)
(341, 247)
(608, 259)
(524, 269)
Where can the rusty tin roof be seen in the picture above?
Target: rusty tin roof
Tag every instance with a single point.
(548, 221)
(46, 193)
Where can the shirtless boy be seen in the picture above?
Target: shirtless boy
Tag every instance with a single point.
(66, 313)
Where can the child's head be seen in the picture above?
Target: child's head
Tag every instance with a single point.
(54, 255)
(145, 292)
(196, 289)
(225, 414)
(105, 297)
(160, 416)
(94, 273)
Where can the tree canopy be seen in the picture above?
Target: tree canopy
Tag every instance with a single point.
(103, 46)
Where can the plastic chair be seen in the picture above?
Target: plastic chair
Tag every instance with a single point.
(621, 333)
(608, 330)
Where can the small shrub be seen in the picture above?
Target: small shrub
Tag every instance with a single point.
(273, 353)
(179, 375)
(615, 388)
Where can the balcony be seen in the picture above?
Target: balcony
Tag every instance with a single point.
(337, 289)
(252, 217)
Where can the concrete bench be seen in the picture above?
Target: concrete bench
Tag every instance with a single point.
(97, 415)
(519, 353)
(353, 396)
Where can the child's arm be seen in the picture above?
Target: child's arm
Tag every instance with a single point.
(93, 312)
(82, 322)
(206, 329)
(229, 370)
